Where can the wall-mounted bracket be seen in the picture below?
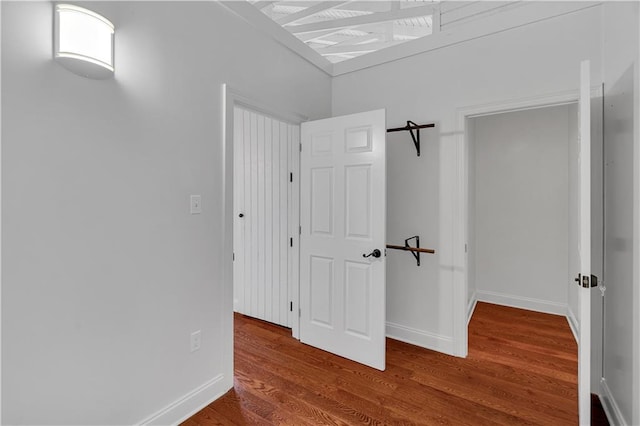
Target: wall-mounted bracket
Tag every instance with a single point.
(415, 251)
(411, 126)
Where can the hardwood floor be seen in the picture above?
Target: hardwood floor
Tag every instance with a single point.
(521, 369)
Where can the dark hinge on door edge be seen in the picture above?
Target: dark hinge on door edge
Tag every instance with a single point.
(291, 306)
(586, 281)
(291, 242)
(290, 177)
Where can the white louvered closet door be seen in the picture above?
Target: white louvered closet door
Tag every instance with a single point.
(265, 207)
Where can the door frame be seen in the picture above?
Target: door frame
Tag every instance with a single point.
(230, 99)
(463, 308)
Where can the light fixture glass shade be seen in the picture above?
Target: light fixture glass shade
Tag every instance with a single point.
(83, 41)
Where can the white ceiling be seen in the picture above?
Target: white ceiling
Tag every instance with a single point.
(342, 30)
(340, 37)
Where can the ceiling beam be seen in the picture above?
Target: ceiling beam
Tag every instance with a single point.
(360, 39)
(309, 11)
(307, 37)
(261, 4)
(356, 48)
(355, 21)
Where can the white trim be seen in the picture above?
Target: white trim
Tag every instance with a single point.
(356, 48)
(635, 391)
(231, 98)
(529, 303)
(236, 97)
(189, 404)
(471, 307)
(421, 338)
(226, 313)
(573, 324)
(610, 406)
(460, 239)
(1, 222)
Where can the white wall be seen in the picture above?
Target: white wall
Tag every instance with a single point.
(425, 194)
(105, 273)
(521, 207)
(620, 62)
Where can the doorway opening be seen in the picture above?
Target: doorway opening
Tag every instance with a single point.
(519, 187)
(521, 208)
(262, 160)
(265, 201)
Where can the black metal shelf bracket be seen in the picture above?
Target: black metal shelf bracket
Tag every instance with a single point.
(411, 127)
(415, 254)
(415, 251)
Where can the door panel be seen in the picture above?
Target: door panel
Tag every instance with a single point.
(357, 289)
(322, 201)
(343, 218)
(321, 279)
(358, 212)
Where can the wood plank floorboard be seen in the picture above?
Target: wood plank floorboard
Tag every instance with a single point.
(521, 369)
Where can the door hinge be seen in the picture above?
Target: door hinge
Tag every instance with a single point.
(300, 230)
(587, 281)
(233, 256)
(291, 306)
(290, 177)
(291, 242)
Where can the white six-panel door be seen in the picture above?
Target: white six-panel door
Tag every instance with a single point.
(265, 263)
(343, 214)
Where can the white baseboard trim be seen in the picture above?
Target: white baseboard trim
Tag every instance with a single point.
(573, 324)
(471, 306)
(528, 303)
(420, 338)
(185, 407)
(611, 409)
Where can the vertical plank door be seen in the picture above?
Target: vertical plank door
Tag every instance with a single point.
(264, 259)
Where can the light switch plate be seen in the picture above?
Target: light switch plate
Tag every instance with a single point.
(196, 204)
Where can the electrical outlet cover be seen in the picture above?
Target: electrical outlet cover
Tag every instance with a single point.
(196, 340)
